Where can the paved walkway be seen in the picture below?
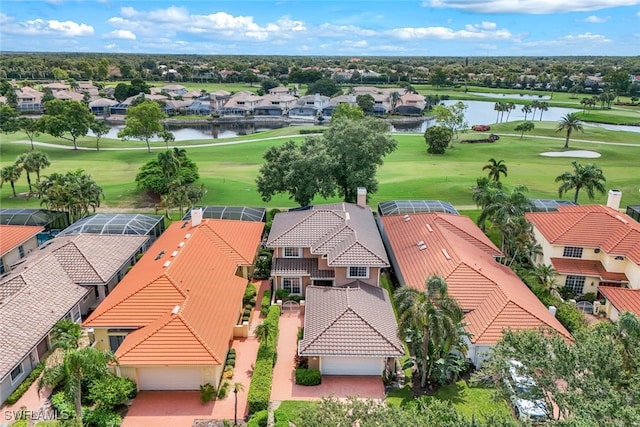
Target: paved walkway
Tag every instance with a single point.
(181, 408)
(284, 387)
(30, 401)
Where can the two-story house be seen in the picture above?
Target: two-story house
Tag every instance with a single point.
(589, 246)
(332, 255)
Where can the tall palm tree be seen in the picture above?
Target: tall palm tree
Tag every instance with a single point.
(526, 109)
(40, 161)
(495, 168)
(546, 275)
(168, 163)
(569, 123)
(534, 106)
(394, 98)
(10, 173)
(430, 319)
(588, 177)
(500, 107)
(509, 107)
(237, 387)
(544, 106)
(262, 332)
(505, 208)
(25, 163)
(65, 334)
(77, 367)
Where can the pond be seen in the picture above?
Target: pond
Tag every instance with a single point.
(510, 95)
(206, 131)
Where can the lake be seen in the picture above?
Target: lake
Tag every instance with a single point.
(510, 95)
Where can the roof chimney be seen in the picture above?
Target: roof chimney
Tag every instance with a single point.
(196, 217)
(362, 197)
(553, 310)
(613, 200)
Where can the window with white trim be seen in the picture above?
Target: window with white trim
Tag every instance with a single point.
(16, 373)
(575, 284)
(358, 272)
(292, 284)
(292, 252)
(572, 252)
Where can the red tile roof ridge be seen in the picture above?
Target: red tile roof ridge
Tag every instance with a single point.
(197, 335)
(312, 213)
(227, 245)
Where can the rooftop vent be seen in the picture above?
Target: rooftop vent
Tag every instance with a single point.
(406, 218)
(429, 228)
(446, 254)
(184, 224)
(181, 244)
(166, 264)
(175, 310)
(422, 247)
(186, 236)
(347, 216)
(159, 255)
(174, 253)
(420, 243)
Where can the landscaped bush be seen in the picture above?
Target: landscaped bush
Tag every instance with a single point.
(311, 131)
(492, 138)
(249, 292)
(259, 419)
(568, 314)
(64, 407)
(265, 303)
(282, 294)
(308, 376)
(22, 388)
(100, 417)
(262, 268)
(207, 392)
(111, 391)
(260, 387)
(247, 312)
(480, 128)
(223, 391)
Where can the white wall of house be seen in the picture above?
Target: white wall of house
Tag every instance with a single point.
(9, 383)
(173, 377)
(350, 365)
(13, 256)
(477, 353)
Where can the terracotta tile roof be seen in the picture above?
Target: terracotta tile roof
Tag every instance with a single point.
(586, 267)
(300, 267)
(12, 236)
(354, 320)
(192, 268)
(593, 226)
(491, 295)
(623, 299)
(344, 232)
(41, 290)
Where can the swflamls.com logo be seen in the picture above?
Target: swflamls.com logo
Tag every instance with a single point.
(39, 415)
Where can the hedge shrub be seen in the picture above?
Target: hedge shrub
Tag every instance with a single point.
(265, 303)
(308, 376)
(259, 419)
(260, 387)
(281, 418)
(249, 293)
(100, 417)
(22, 388)
(568, 314)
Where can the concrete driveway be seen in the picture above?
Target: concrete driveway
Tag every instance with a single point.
(284, 386)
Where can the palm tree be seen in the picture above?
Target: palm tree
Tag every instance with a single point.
(569, 123)
(628, 333)
(77, 366)
(589, 177)
(509, 107)
(484, 194)
(65, 334)
(495, 168)
(168, 163)
(524, 127)
(262, 333)
(543, 107)
(534, 106)
(395, 98)
(504, 208)
(237, 387)
(167, 137)
(24, 162)
(40, 161)
(526, 109)
(10, 173)
(546, 275)
(500, 107)
(430, 320)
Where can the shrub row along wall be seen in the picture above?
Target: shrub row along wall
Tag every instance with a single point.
(260, 387)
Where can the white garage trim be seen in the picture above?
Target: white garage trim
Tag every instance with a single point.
(169, 378)
(350, 365)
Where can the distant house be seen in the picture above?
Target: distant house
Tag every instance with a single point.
(56, 87)
(240, 104)
(337, 100)
(174, 90)
(101, 106)
(175, 106)
(66, 95)
(309, 106)
(199, 108)
(172, 319)
(491, 295)
(29, 100)
(274, 105)
(411, 104)
(121, 108)
(62, 280)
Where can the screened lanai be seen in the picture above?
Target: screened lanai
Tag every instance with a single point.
(242, 213)
(121, 223)
(403, 207)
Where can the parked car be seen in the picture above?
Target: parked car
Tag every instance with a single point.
(520, 386)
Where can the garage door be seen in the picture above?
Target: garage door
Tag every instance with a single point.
(334, 365)
(169, 378)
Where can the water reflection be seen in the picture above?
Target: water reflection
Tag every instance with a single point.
(204, 131)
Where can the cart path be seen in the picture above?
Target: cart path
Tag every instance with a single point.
(275, 138)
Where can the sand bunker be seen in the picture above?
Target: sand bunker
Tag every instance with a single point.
(575, 153)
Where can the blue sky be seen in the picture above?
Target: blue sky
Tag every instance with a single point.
(346, 28)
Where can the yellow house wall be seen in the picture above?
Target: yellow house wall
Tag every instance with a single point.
(632, 271)
(102, 338)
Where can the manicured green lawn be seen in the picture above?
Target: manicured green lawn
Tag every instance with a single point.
(471, 401)
(294, 410)
(229, 171)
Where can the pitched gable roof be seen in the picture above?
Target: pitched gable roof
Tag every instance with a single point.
(183, 294)
(344, 232)
(12, 236)
(354, 320)
(491, 295)
(44, 288)
(595, 226)
(623, 299)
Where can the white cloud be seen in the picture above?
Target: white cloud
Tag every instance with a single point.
(592, 38)
(42, 27)
(578, 40)
(120, 34)
(484, 31)
(596, 19)
(5, 19)
(111, 46)
(332, 30)
(529, 6)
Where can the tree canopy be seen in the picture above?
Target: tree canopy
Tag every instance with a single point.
(588, 177)
(324, 86)
(569, 123)
(62, 117)
(451, 117)
(344, 158)
(74, 192)
(437, 139)
(347, 111)
(143, 122)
